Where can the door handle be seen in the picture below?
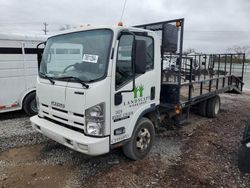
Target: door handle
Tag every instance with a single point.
(152, 93)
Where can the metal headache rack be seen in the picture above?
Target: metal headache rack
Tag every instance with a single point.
(187, 79)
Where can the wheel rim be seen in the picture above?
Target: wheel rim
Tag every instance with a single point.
(217, 107)
(33, 105)
(143, 139)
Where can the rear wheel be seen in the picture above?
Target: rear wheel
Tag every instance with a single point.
(29, 104)
(202, 107)
(213, 107)
(141, 141)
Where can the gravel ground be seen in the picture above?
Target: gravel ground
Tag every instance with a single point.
(15, 131)
(24, 151)
(194, 155)
(210, 156)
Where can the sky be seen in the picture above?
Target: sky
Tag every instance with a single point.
(211, 26)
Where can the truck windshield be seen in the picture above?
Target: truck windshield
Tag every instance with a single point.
(83, 55)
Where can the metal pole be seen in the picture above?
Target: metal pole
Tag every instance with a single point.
(180, 58)
(190, 80)
(231, 62)
(219, 67)
(225, 68)
(162, 52)
(242, 74)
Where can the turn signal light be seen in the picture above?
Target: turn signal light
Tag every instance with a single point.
(178, 109)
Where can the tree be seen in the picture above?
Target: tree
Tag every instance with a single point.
(65, 27)
(239, 49)
(188, 51)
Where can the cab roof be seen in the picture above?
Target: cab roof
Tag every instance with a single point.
(90, 27)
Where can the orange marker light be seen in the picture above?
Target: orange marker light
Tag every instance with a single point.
(120, 24)
(178, 109)
(178, 24)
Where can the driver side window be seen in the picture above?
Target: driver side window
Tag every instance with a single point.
(124, 70)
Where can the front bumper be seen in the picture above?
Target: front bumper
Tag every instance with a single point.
(72, 139)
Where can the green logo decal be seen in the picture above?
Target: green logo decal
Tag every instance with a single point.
(138, 89)
(139, 97)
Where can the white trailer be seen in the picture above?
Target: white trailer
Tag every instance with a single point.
(18, 72)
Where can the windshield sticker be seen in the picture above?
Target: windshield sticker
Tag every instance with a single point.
(90, 58)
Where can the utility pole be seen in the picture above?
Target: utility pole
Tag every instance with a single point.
(45, 28)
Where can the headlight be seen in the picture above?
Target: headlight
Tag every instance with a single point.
(95, 120)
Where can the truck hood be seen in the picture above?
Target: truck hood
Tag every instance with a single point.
(62, 96)
(62, 104)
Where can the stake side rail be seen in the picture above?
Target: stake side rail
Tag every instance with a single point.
(187, 79)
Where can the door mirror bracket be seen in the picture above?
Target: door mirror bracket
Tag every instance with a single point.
(39, 53)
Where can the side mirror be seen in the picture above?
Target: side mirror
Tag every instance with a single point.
(39, 53)
(170, 38)
(39, 57)
(140, 56)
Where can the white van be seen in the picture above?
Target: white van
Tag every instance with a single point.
(18, 72)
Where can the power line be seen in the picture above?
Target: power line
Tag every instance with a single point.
(45, 28)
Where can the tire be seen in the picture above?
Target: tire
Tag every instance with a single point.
(143, 132)
(213, 107)
(202, 107)
(246, 133)
(29, 104)
(244, 151)
(243, 160)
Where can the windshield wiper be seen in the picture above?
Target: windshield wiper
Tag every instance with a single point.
(74, 78)
(48, 77)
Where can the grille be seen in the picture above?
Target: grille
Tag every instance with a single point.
(64, 125)
(70, 120)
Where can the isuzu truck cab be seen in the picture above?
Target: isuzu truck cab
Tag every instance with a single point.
(92, 98)
(100, 87)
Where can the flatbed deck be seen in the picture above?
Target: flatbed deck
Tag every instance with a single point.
(187, 79)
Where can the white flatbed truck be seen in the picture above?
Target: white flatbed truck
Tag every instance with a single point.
(18, 72)
(113, 92)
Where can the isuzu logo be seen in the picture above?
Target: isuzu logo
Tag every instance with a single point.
(57, 104)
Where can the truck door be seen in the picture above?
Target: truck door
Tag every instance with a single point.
(134, 101)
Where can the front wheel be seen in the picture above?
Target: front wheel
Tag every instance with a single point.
(141, 141)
